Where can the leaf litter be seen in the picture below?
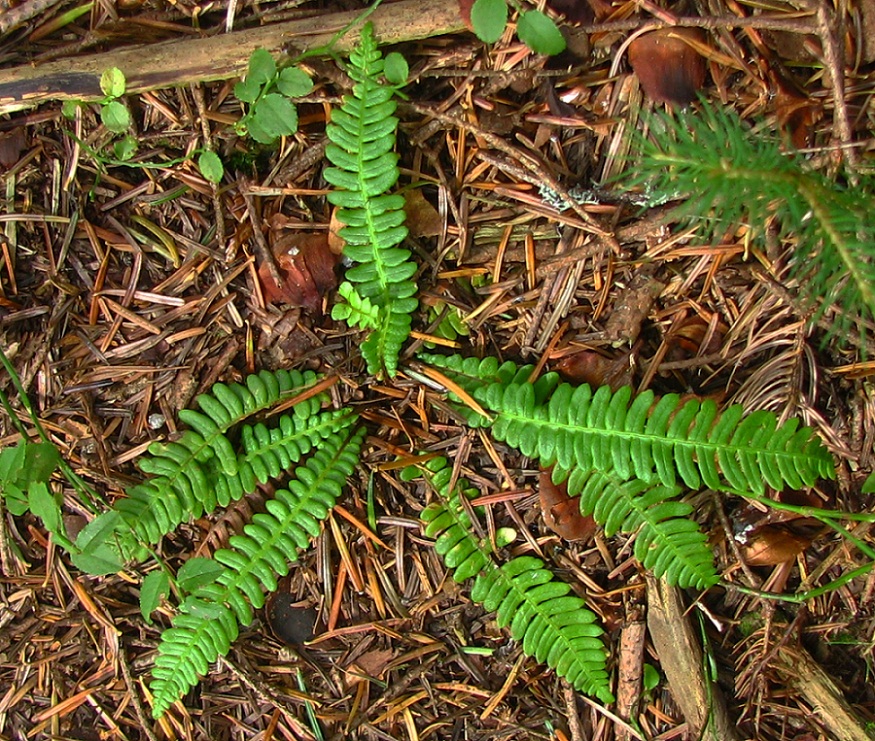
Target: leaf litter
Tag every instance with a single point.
(125, 291)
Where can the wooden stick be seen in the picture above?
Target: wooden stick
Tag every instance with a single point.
(180, 62)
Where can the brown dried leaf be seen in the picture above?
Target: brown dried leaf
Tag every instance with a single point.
(12, 144)
(306, 265)
(336, 243)
(632, 307)
(669, 68)
(561, 512)
(423, 219)
(772, 545)
(588, 366)
(371, 663)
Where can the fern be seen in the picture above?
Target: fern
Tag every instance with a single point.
(358, 311)
(208, 620)
(657, 441)
(727, 175)
(552, 624)
(668, 541)
(362, 136)
(191, 475)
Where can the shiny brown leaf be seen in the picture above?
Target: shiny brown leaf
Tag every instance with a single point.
(771, 545)
(561, 512)
(669, 68)
(306, 265)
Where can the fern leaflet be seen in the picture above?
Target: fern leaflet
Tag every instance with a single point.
(552, 624)
(362, 136)
(208, 620)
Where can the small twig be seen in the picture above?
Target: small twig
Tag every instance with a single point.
(197, 92)
(833, 63)
(259, 243)
(135, 696)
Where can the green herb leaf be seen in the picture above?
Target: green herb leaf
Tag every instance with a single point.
(12, 461)
(197, 572)
(538, 31)
(651, 678)
(262, 67)
(489, 18)
(97, 554)
(247, 91)
(69, 108)
(14, 497)
(294, 82)
(115, 117)
(155, 587)
(113, 83)
(869, 485)
(211, 167)
(125, 148)
(44, 505)
(274, 116)
(395, 68)
(40, 461)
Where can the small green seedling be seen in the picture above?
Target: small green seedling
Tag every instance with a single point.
(113, 113)
(535, 29)
(268, 92)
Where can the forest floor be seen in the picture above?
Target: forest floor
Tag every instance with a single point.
(125, 290)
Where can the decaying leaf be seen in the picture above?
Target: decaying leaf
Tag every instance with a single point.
(561, 512)
(423, 219)
(290, 622)
(306, 265)
(632, 307)
(669, 68)
(771, 545)
(589, 366)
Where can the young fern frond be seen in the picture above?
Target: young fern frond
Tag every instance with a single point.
(656, 441)
(552, 624)
(727, 174)
(208, 621)
(362, 140)
(189, 474)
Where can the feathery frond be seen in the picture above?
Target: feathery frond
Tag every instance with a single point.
(727, 174)
(552, 624)
(208, 620)
(362, 135)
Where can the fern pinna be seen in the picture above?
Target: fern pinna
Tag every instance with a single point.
(551, 623)
(362, 140)
(624, 455)
(207, 622)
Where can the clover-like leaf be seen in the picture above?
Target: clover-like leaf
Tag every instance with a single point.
(538, 31)
(211, 167)
(113, 83)
(115, 117)
(489, 18)
(294, 82)
(274, 116)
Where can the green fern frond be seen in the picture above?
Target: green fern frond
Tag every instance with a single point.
(640, 437)
(552, 624)
(362, 135)
(188, 474)
(358, 311)
(668, 542)
(727, 174)
(208, 620)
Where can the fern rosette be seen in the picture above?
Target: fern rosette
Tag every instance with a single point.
(362, 139)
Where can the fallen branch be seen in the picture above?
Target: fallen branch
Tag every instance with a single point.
(180, 62)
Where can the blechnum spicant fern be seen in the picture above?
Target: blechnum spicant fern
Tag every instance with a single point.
(551, 623)
(225, 454)
(362, 134)
(728, 174)
(626, 457)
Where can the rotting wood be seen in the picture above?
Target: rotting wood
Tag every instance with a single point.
(174, 63)
(682, 660)
(819, 690)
